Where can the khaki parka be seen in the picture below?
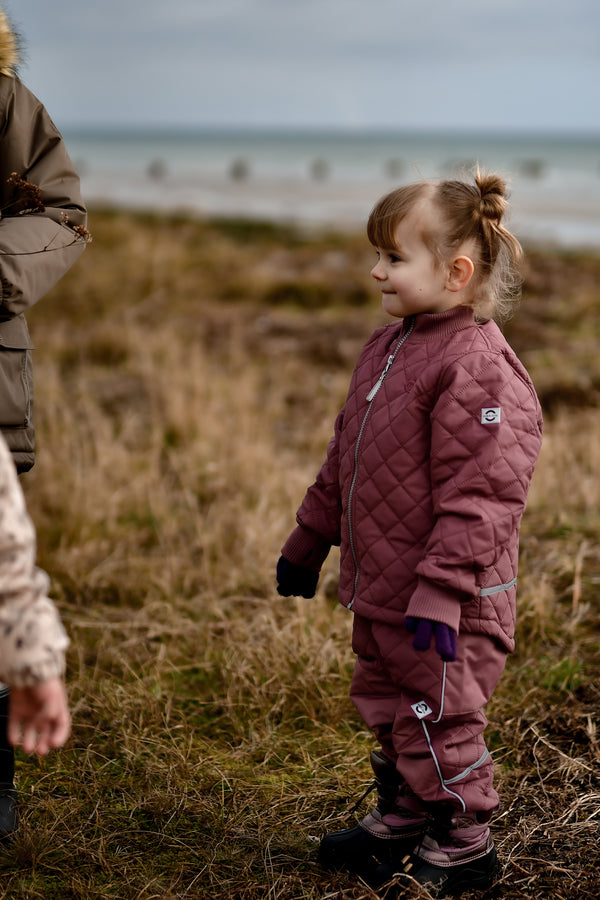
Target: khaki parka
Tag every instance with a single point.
(42, 233)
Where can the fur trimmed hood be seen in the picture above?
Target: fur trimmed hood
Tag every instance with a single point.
(9, 46)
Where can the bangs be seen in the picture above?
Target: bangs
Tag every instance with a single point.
(389, 211)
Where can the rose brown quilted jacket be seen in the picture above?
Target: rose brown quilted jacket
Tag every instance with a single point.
(426, 476)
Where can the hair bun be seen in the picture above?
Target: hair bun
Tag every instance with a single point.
(492, 196)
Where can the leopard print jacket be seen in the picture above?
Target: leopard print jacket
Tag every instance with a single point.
(32, 638)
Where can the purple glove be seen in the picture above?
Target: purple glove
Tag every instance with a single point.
(423, 629)
(293, 580)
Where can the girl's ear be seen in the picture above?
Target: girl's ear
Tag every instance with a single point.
(460, 273)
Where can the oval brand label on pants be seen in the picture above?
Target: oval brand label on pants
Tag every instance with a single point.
(421, 709)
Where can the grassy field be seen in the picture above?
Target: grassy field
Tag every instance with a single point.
(187, 379)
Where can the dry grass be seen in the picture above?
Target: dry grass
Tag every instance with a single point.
(188, 375)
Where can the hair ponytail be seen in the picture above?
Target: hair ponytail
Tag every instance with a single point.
(492, 207)
(492, 193)
(473, 213)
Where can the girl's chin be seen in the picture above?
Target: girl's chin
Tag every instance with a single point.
(391, 305)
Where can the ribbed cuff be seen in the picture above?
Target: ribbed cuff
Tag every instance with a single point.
(437, 603)
(306, 548)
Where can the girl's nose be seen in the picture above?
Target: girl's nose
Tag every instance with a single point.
(377, 272)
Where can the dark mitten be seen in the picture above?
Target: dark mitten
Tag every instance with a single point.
(293, 580)
(424, 629)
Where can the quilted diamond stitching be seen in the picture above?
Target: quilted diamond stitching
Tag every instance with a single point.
(472, 466)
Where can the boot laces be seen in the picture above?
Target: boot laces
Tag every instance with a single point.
(372, 787)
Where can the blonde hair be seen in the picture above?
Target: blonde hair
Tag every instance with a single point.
(468, 214)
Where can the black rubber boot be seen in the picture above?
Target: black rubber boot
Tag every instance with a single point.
(372, 842)
(8, 795)
(449, 861)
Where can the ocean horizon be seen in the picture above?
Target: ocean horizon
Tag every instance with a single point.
(332, 177)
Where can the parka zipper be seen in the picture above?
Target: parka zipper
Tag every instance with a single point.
(370, 398)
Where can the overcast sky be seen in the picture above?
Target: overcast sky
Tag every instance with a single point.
(492, 64)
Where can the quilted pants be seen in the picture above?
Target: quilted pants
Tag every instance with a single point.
(427, 714)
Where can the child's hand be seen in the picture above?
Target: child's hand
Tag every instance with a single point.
(293, 580)
(423, 629)
(39, 717)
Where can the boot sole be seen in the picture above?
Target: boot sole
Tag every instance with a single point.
(446, 885)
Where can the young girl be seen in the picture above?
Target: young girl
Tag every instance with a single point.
(424, 487)
(32, 641)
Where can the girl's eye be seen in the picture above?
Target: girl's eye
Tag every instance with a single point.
(394, 258)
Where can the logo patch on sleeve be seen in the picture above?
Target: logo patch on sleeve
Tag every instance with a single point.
(490, 415)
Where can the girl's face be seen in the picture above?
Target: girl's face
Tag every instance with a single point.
(409, 276)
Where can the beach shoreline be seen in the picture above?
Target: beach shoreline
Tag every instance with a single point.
(539, 213)
(332, 179)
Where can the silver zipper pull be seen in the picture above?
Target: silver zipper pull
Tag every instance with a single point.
(379, 382)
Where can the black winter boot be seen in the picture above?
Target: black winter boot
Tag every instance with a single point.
(392, 829)
(8, 795)
(453, 857)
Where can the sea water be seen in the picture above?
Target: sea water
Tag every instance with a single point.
(333, 178)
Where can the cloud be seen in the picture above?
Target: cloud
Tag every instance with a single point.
(384, 63)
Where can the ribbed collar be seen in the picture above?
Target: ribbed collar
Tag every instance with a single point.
(431, 325)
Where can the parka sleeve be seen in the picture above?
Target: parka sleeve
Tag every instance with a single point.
(320, 515)
(32, 638)
(36, 247)
(321, 509)
(485, 440)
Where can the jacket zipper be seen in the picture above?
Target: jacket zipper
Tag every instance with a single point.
(370, 398)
